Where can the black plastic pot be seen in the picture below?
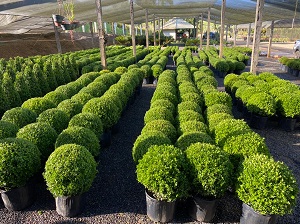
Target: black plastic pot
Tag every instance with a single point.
(18, 198)
(258, 122)
(249, 216)
(287, 123)
(159, 211)
(201, 209)
(69, 206)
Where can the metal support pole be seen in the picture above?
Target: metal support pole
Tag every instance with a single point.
(101, 35)
(249, 35)
(147, 29)
(113, 32)
(154, 33)
(201, 32)
(58, 45)
(208, 29)
(235, 34)
(270, 39)
(257, 34)
(92, 33)
(132, 29)
(222, 28)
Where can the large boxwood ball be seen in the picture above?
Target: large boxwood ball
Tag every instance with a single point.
(38, 104)
(164, 103)
(158, 113)
(80, 136)
(8, 129)
(42, 135)
(189, 105)
(145, 141)
(19, 116)
(105, 109)
(70, 170)
(70, 107)
(82, 97)
(188, 138)
(56, 97)
(189, 115)
(19, 161)
(56, 118)
(191, 126)
(88, 120)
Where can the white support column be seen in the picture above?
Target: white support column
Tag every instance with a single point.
(83, 28)
(132, 29)
(270, 39)
(92, 32)
(257, 34)
(141, 30)
(201, 32)
(115, 28)
(222, 28)
(147, 29)
(208, 29)
(123, 28)
(154, 33)
(158, 31)
(249, 35)
(234, 34)
(105, 27)
(113, 32)
(101, 35)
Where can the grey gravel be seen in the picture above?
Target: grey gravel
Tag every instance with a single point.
(116, 196)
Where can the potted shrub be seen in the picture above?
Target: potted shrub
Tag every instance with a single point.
(88, 120)
(69, 172)
(289, 110)
(261, 105)
(218, 98)
(267, 189)
(145, 141)
(70, 107)
(211, 175)
(8, 129)
(158, 113)
(156, 70)
(239, 67)
(195, 97)
(192, 126)
(217, 108)
(189, 105)
(222, 68)
(162, 171)
(228, 128)
(80, 136)
(19, 161)
(164, 126)
(42, 135)
(166, 95)
(164, 103)
(82, 98)
(189, 115)
(19, 116)
(214, 119)
(56, 118)
(190, 137)
(38, 104)
(56, 97)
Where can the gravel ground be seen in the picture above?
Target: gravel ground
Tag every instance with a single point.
(116, 196)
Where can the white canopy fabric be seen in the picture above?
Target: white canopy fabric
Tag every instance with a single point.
(177, 23)
(34, 16)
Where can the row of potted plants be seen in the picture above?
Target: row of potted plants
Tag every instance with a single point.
(290, 65)
(265, 96)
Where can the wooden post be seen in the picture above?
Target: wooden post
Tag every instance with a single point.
(222, 28)
(92, 33)
(249, 35)
(101, 35)
(132, 29)
(208, 29)
(58, 45)
(147, 29)
(113, 32)
(201, 32)
(235, 34)
(154, 32)
(257, 34)
(226, 35)
(270, 39)
(158, 31)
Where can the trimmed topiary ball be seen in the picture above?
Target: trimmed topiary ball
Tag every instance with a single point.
(164, 103)
(56, 97)
(162, 171)
(82, 98)
(189, 115)
(262, 104)
(38, 104)
(158, 113)
(8, 129)
(194, 97)
(188, 138)
(192, 126)
(81, 136)
(217, 108)
(228, 128)
(40, 134)
(164, 95)
(88, 120)
(210, 170)
(269, 187)
(56, 118)
(164, 126)
(105, 109)
(214, 119)
(189, 105)
(218, 98)
(19, 161)
(70, 107)
(70, 170)
(19, 116)
(145, 141)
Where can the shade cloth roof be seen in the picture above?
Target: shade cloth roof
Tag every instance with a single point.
(177, 23)
(34, 16)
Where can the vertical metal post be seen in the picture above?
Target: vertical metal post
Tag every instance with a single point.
(257, 34)
(235, 34)
(222, 28)
(158, 31)
(132, 29)
(113, 32)
(154, 32)
(208, 29)
(249, 35)
(101, 35)
(201, 32)
(270, 39)
(92, 33)
(147, 29)
(58, 45)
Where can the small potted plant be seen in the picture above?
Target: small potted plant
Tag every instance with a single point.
(19, 161)
(163, 172)
(262, 106)
(267, 189)
(222, 68)
(211, 174)
(69, 173)
(145, 141)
